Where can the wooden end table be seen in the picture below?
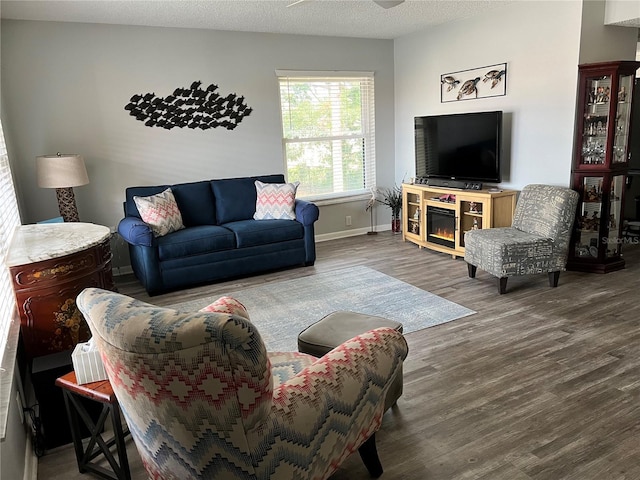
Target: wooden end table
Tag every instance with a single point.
(101, 392)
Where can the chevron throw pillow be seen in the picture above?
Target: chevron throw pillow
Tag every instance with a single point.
(160, 212)
(275, 201)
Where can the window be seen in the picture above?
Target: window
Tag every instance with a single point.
(9, 218)
(328, 126)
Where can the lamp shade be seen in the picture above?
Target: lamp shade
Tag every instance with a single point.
(61, 171)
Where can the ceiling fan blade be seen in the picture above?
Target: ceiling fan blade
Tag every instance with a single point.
(388, 3)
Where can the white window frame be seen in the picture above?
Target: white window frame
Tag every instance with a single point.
(367, 133)
(9, 219)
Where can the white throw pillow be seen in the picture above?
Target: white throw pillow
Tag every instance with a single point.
(160, 212)
(275, 201)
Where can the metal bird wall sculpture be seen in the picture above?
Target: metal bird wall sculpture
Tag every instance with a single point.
(191, 107)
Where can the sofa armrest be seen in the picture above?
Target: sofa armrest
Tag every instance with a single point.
(306, 212)
(343, 391)
(135, 231)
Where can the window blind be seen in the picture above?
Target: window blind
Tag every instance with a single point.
(9, 219)
(329, 118)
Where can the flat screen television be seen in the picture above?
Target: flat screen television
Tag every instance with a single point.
(463, 146)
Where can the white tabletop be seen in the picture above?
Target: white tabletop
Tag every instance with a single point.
(44, 241)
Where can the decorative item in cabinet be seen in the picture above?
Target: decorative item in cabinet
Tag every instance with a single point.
(601, 162)
(50, 264)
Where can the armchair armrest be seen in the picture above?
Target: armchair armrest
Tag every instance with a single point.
(306, 212)
(332, 406)
(135, 231)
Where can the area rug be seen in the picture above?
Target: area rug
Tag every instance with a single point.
(281, 310)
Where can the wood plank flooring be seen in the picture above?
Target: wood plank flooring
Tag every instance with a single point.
(540, 384)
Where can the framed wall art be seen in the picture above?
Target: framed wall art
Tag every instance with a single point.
(489, 81)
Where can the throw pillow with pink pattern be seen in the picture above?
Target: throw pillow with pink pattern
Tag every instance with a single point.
(160, 212)
(275, 201)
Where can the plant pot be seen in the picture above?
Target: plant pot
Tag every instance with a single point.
(395, 225)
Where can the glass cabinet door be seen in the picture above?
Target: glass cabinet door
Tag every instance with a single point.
(588, 221)
(413, 217)
(598, 223)
(613, 240)
(622, 120)
(596, 118)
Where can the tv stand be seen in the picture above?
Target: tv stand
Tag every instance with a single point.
(449, 183)
(437, 217)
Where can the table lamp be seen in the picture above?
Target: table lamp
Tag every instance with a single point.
(63, 172)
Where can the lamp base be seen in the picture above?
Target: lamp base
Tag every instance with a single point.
(67, 204)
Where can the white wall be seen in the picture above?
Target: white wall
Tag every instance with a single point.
(65, 86)
(540, 43)
(602, 43)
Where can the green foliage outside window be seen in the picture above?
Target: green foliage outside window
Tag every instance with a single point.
(324, 138)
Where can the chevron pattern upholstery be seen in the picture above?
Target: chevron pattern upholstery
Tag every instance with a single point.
(204, 400)
(536, 242)
(160, 212)
(275, 201)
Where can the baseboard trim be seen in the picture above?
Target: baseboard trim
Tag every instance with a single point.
(323, 237)
(30, 462)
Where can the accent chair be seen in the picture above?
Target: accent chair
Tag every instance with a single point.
(203, 399)
(536, 242)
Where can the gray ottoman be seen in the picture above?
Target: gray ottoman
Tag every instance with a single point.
(338, 327)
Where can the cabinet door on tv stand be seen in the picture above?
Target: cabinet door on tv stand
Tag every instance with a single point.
(413, 216)
(473, 216)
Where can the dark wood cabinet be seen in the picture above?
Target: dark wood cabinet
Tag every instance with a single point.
(600, 164)
(46, 289)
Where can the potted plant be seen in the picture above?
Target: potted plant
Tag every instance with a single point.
(392, 198)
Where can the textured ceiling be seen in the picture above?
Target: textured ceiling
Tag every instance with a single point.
(341, 18)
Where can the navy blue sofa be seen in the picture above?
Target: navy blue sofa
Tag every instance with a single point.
(220, 239)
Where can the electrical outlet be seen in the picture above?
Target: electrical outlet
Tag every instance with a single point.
(347, 220)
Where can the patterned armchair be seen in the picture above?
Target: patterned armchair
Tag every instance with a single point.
(536, 242)
(204, 400)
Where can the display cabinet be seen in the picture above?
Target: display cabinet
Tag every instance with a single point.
(601, 161)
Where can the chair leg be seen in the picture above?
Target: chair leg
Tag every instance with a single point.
(472, 270)
(553, 278)
(502, 285)
(369, 455)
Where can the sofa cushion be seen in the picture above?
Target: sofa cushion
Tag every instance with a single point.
(250, 233)
(275, 201)
(195, 241)
(236, 197)
(160, 212)
(195, 201)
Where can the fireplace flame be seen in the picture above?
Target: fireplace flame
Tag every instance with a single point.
(444, 234)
